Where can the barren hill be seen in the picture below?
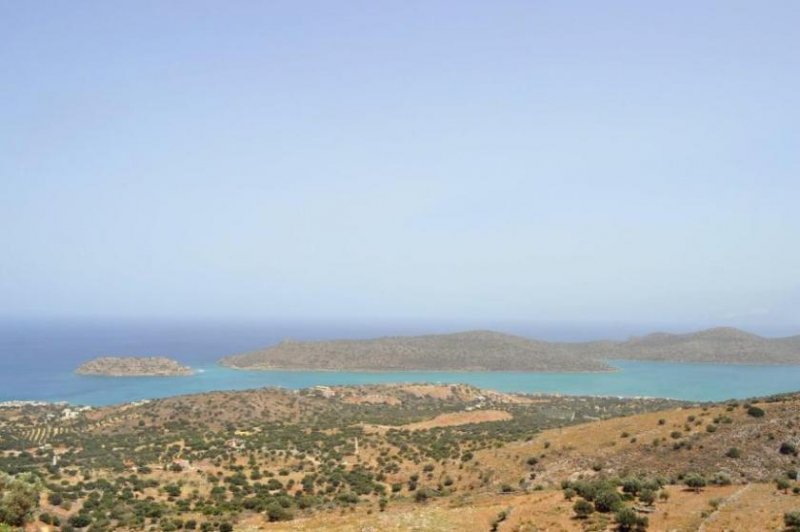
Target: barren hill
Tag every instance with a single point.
(467, 351)
(133, 367)
(494, 351)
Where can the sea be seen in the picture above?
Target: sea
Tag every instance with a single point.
(38, 359)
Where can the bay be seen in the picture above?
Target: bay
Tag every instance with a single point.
(694, 382)
(37, 360)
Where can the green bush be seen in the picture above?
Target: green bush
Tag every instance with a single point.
(276, 512)
(627, 519)
(792, 520)
(695, 482)
(582, 508)
(19, 498)
(607, 501)
(80, 520)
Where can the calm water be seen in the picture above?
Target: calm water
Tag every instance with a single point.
(37, 360)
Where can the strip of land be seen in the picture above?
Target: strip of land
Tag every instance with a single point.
(494, 351)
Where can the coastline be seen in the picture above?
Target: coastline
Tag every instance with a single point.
(674, 380)
(421, 370)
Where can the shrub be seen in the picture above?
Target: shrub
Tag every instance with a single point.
(422, 495)
(788, 448)
(627, 519)
(733, 452)
(502, 516)
(276, 512)
(80, 520)
(722, 479)
(754, 411)
(20, 497)
(632, 485)
(647, 496)
(607, 501)
(792, 520)
(695, 482)
(582, 508)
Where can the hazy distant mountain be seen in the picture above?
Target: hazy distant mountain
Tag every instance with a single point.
(493, 351)
(468, 351)
(712, 345)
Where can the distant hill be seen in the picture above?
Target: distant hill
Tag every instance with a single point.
(494, 351)
(722, 344)
(466, 351)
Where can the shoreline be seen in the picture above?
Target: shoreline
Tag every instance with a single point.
(628, 378)
(466, 371)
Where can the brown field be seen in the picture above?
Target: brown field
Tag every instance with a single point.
(460, 418)
(751, 507)
(453, 419)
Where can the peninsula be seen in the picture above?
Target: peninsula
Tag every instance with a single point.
(465, 351)
(494, 351)
(134, 367)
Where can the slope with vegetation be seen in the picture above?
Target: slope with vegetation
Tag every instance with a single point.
(467, 351)
(405, 457)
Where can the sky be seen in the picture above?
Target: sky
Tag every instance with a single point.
(536, 161)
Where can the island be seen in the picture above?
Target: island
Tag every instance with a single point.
(495, 351)
(134, 367)
(463, 351)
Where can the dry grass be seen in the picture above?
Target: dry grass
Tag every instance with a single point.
(754, 507)
(459, 418)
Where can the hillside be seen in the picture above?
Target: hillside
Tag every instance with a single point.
(405, 457)
(721, 344)
(493, 351)
(467, 351)
(133, 367)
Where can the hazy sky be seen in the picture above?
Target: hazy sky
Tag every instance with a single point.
(558, 161)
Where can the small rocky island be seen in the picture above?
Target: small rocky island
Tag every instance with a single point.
(134, 367)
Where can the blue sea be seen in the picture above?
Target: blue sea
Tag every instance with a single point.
(37, 360)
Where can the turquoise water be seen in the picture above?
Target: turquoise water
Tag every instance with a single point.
(37, 360)
(697, 382)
